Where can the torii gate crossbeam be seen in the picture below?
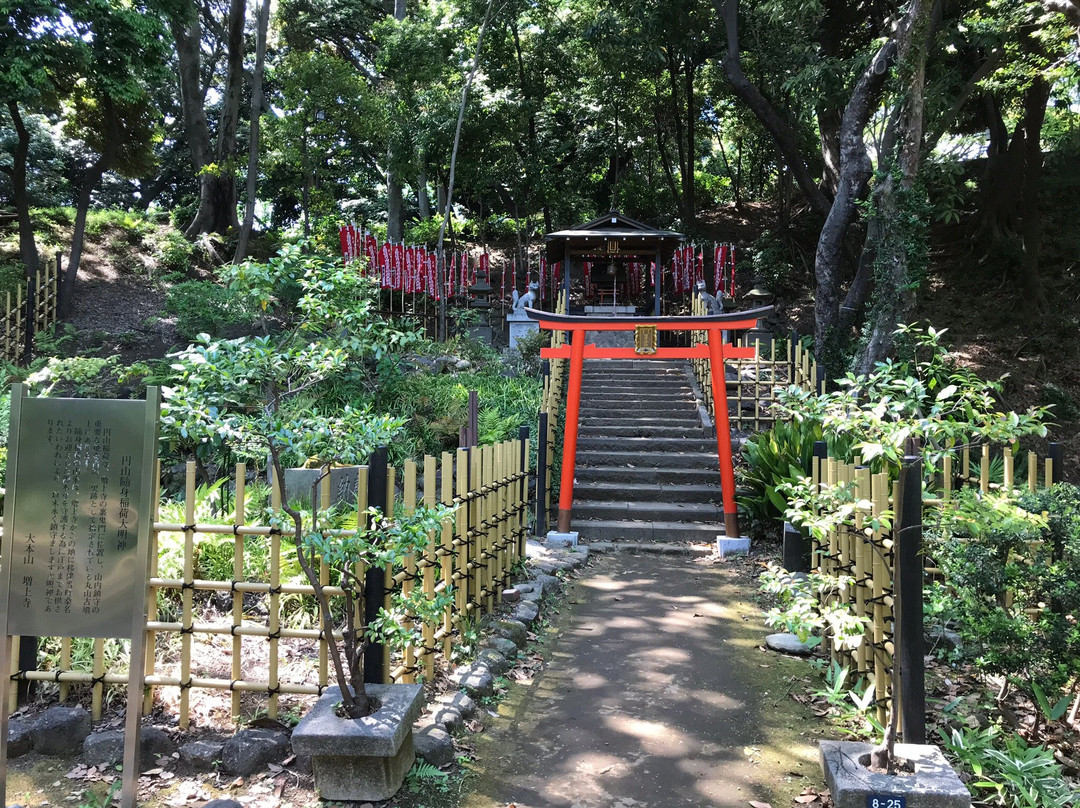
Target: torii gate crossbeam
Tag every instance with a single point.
(646, 347)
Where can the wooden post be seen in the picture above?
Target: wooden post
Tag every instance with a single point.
(375, 577)
(908, 621)
(523, 490)
(446, 559)
(723, 433)
(541, 475)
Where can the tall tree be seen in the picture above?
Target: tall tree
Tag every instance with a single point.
(262, 24)
(213, 159)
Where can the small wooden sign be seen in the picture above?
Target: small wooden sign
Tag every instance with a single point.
(75, 557)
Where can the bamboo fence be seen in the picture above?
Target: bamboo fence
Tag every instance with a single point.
(473, 555)
(751, 383)
(867, 557)
(551, 402)
(32, 307)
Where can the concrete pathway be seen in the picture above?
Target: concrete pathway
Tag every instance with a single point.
(656, 693)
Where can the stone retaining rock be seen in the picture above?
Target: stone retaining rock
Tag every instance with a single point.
(475, 680)
(526, 613)
(501, 645)
(493, 661)
(60, 730)
(512, 630)
(547, 583)
(203, 754)
(434, 745)
(252, 749)
(788, 644)
(106, 748)
(446, 717)
(19, 740)
(460, 702)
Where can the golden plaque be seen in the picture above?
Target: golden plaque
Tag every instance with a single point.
(645, 339)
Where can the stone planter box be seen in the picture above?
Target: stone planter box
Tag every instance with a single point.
(361, 759)
(933, 784)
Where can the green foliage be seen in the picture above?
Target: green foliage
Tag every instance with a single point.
(173, 252)
(1005, 771)
(424, 777)
(779, 455)
(528, 349)
(1013, 569)
(12, 278)
(56, 340)
(770, 258)
(75, 376)
(204, 307)
(925, 394)
(1065, 407)
(808, 606)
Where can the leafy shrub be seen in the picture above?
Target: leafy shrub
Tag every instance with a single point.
(771, 260)
(12, 277)
(779, 455)
(204, 307)
(1014, 572)
(1065, 406)
(1006, 771)
(173, 252)
(807, 607)
(74, 376)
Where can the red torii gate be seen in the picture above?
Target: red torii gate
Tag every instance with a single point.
(646, 347)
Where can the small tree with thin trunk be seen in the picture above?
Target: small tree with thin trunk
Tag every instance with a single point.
(252, 391)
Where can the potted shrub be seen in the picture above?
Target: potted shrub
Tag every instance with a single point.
(263, 395)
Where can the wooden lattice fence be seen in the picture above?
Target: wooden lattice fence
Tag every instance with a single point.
(30, 309)
(474, 553)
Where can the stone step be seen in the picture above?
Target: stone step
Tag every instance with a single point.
(646, 393)
(647, 445)
(630, 386)
(689, 419)
(624, 429)
(649, 511)
(601, 491)
(663, 407)
(617, 530)
(644, 475)
(611, 457)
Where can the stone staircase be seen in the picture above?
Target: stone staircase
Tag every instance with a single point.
(647, 468)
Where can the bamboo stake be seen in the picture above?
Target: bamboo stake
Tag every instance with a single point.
(947, 478)
(410, 570)
(97, 690)
(151, 610)
(1008, 468)
(186, 593)
(429, 569)
(65, 665)
(984, 469)
(277, 493)
(446, 492)
(238, 575)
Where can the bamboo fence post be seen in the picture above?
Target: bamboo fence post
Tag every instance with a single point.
(880, 492)
(984, 469)
(388, 572)
(1008, 478)
(277, 494)
(487, 523)
(239, 519)
(429, 569)
(463, 560)
(947, 477)
(152, 591)
(863, 563)
(1033, 472)
(409, 499)
(965, 467)
(446, 492)
(186, 594)
(500, 520)
(65, 665)
(97, 687)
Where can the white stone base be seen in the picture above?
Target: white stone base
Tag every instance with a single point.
(557, 539)
(726, 546)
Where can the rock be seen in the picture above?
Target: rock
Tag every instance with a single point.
(512, 595)
(475, 680)
(531, 597)
(203, 754)
(107, 748)
(464, 705)
(528, 586)
(434, 745)
(550, 567)
(512, 630)
(788, 644)
(446, 717)
(526, 613)
(60, 730)
(547, 583)
(251, 749)
(493, 661)
(19, 741)
(502, 646)
(945, 638)
(462, 364)
(220, 803)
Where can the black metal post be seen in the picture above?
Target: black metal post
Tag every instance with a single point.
(793, 341)
(541, 475)
(375, 578)
(908, 585)
(28, 661)
(1056, 452)
(523, 488)
(474, 418)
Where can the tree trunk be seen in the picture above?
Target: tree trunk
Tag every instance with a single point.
(90, 181)
(253, 145)
(689, 202)
(1035, 100)
(27, 245)
(395, 224)
(423, 201)
(782, 133)
(855, 172)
